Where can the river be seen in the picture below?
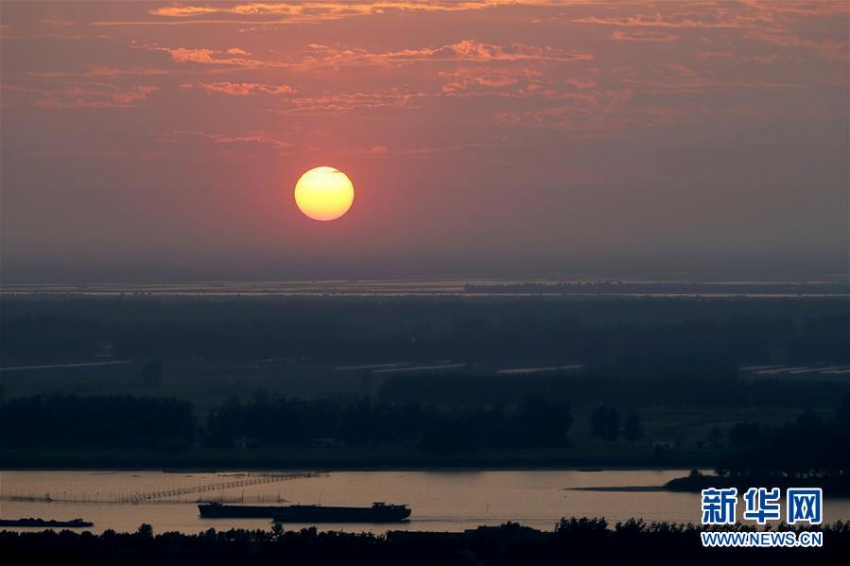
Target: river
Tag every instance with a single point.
(440, 500)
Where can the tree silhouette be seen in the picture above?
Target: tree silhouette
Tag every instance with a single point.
(612, 425)
(605, 423)
(598, 418)
(632, 427)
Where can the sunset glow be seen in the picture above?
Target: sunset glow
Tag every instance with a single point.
(598, 234)
(486, 137)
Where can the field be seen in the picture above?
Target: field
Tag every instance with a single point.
(671, 363)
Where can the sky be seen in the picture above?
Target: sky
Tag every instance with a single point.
(156, 141)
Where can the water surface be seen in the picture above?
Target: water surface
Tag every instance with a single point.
(440, 501)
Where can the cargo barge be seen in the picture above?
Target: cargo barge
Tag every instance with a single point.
(378, 513)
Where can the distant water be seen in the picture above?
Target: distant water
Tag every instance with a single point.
(440, 501)
(824, 287)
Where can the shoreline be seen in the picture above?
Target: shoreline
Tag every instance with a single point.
(274, 460)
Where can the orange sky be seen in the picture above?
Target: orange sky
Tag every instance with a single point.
(158, 141)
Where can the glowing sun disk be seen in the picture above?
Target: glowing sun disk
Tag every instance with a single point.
(324, 193)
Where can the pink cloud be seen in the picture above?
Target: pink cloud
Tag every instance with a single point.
(764, 59)
(715, 55)
(463, 79)
(346, 102)
(104, 71)
(467, 50)
(693, 84)
(681, 69)
(798, 8)
(459, 151)
(183, 55)
(253, 137)
(316, 11)
(134, 95)
(57, 21)
(827, 49)
(229, 57)
(721, 20)
(92, 96)
(581, 83)
(582, 126)
(245, 89)
(643, 36)
(472, 50)
(588, 114)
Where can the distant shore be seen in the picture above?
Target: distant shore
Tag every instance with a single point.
(833, 486)
(347, 459)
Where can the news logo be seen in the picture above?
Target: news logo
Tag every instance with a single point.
(718, 506)
(762, 505)
(803, 505)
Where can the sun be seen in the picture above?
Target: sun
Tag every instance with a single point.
(324, 193)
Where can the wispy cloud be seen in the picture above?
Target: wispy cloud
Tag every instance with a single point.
(319, 55)
(252, 137)
(468, 50)
(680, 69)
(587, 114)
(465, 78)
(245, 89)
(460, 151)
(57, 21)
(643, 36)
(798, 8)
(233, 57)
(90, 95)
(715, 55)
(581, 83)
(307, 10)
(102, 71)
(135, 94)
(827, 48)
(675, 21)
(347, 102)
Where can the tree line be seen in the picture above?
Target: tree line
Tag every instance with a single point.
(113, 421)
(812, 446)
(589, 389)
(139, 422)
(531, 423)
(572, 540)
(630, 336)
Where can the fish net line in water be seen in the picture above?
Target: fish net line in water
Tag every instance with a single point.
(161, 495)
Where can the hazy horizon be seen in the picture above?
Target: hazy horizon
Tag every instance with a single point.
(153, 142)
(165, 274)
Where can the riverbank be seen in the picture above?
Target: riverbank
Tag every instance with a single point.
(353, 458)
(832, 486)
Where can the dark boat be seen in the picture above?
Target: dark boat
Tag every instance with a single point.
(215, 510)
(377, 513)
(30, 522)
